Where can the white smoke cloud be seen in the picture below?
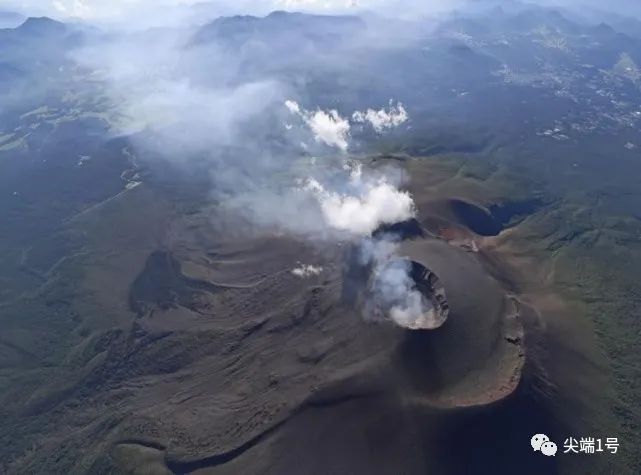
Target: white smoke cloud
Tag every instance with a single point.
(153, 83)
(226, 123)
(211, 114)
(408, 307)
(394, 294)
(333, 130)
(292, 106)
(307, 270)
(383, 118)
(360, 206)
(328, 202)
(365, 204)
(328, 127)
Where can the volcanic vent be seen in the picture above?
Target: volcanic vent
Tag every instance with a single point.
(407, 293)
(430, 287)
(388, 285)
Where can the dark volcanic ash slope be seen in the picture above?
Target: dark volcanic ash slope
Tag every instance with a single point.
(197, 349)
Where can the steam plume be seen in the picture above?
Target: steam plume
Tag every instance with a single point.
(227, 121)
(393, 292)
(384, 118)
(364, 206)
(328, 127)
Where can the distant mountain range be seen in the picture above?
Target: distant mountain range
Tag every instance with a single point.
(278, 24)
(42, 26)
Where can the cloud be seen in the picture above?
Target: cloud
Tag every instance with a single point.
(383, 118)
(74, 8)
(206, 116)
(307, 270)
(180, 102)
(292, 106)
(329, 203)
(328, 127)
(333, 130)
(364, 205)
